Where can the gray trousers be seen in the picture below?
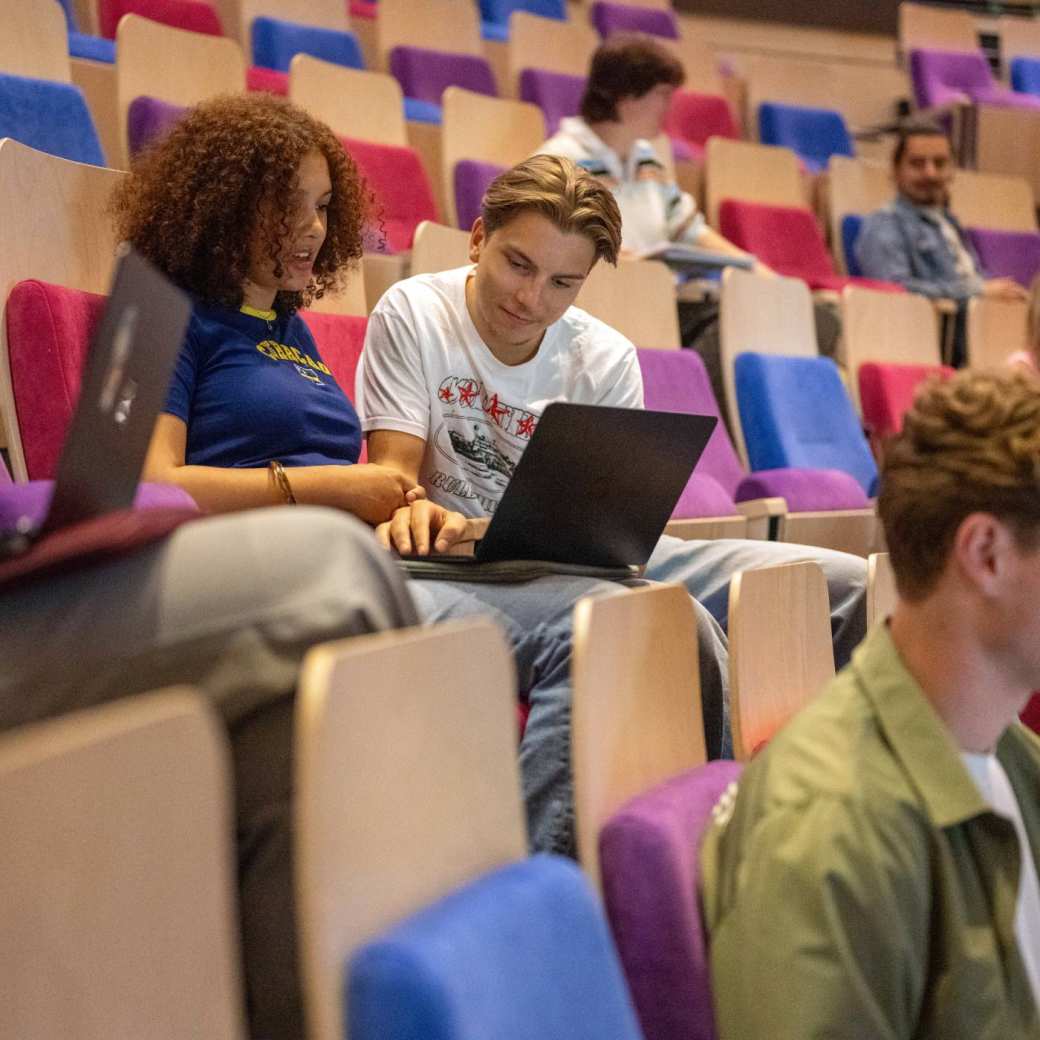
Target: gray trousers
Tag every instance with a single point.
(230, 604)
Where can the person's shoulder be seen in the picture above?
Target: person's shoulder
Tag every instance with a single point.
(890, 213)
(594, 337)
(834, 749)
(425, 294)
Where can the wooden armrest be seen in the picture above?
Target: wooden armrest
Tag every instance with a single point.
(754, 508)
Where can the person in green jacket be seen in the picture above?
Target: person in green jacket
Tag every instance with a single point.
(873, 875)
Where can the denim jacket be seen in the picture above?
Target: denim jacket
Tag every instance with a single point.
(902, 243)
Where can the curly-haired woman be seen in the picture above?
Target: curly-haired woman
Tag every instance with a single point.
(254, 208)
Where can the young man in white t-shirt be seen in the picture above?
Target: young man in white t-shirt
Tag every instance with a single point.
(874, 873)
(458, 366)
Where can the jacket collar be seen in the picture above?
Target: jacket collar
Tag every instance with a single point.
(917, 736)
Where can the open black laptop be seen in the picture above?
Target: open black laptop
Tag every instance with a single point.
(591, 494)
(125, 381)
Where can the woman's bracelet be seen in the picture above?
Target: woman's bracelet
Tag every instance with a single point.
(280, 478)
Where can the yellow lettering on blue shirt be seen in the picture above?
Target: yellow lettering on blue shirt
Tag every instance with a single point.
(283, 352)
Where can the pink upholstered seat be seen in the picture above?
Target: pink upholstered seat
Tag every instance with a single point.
(403, 195)
(192, 15)
(788, 239)
(886, 392)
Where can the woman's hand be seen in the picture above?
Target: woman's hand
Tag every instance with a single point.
(414, 526)
(373, 493)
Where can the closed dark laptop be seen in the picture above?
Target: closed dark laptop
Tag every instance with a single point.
(125, 381)
(594, 488)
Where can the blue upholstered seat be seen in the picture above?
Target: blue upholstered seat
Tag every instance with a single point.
(815, 134)
(795, 412)
(276, 42)
(51, 117)
(521, 954)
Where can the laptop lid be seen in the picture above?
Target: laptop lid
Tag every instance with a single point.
(596, 485)
(125, 381)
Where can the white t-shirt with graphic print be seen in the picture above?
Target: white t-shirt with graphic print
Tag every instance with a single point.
(426, 371)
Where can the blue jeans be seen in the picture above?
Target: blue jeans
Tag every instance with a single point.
(537, 617)
(705, 568)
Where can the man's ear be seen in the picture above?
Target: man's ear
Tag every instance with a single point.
(983, 548)
(477, 238)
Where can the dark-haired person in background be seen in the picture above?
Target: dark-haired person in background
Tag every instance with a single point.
(916, 241)
(631, 82)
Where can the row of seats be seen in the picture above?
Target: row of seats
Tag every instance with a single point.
(417, 908)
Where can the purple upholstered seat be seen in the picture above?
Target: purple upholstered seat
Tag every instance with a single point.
(424, 74)
(1007, 254)
(677, 381)
(557, 94)
(947, 77)
(649, 857)
(19, 502)
(703, 496)
(471, 181)
(612, 18)
(149, 119)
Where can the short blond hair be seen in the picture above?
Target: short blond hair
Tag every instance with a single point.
(574, 200)
(968, 445)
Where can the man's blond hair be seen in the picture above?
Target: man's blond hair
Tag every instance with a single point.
(968, 445)
(574, 200)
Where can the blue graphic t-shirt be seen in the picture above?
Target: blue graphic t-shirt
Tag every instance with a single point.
(251, 387)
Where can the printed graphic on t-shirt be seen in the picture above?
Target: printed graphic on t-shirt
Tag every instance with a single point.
(483, 436)
(305, 365)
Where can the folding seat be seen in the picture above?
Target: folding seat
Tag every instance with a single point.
(886, 392)
(485, 129)
(1025, 75)
(853, 187)
(374, 845)
(678, 381)
(471, 181)
(780, 649)
(851, 225)
(787, 239)
(520, 953)
(78, 249)
(611, 18)
(173, 65)
(425, 74)
(609, 291)
(192, 15)
(545, 43)
(495, 14)
(753, 172)
(996, 330)
(82, 45)
(403, 196)
(118, 876)
(637, 715)
(998, 201)
(796, 413)
(649, 857)
(926, 25)
(557, 94)
(942, 78)
(693, 118)
(887, 329)
(51, 117)
(1007, 254)
(149, 119)
(814, 134)
(276, 42)
(438, 248)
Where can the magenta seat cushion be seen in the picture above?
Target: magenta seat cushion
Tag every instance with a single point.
(269, 80)
(33, 499)
(49, 329)
(649, 856)
(805, 490)
(402, 192)
(886, 392)
(703, 496)
(191, 15)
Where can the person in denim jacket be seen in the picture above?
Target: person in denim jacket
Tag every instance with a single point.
(916, 241)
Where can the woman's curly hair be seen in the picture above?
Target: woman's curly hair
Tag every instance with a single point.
(199, 202)
(968, 445)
